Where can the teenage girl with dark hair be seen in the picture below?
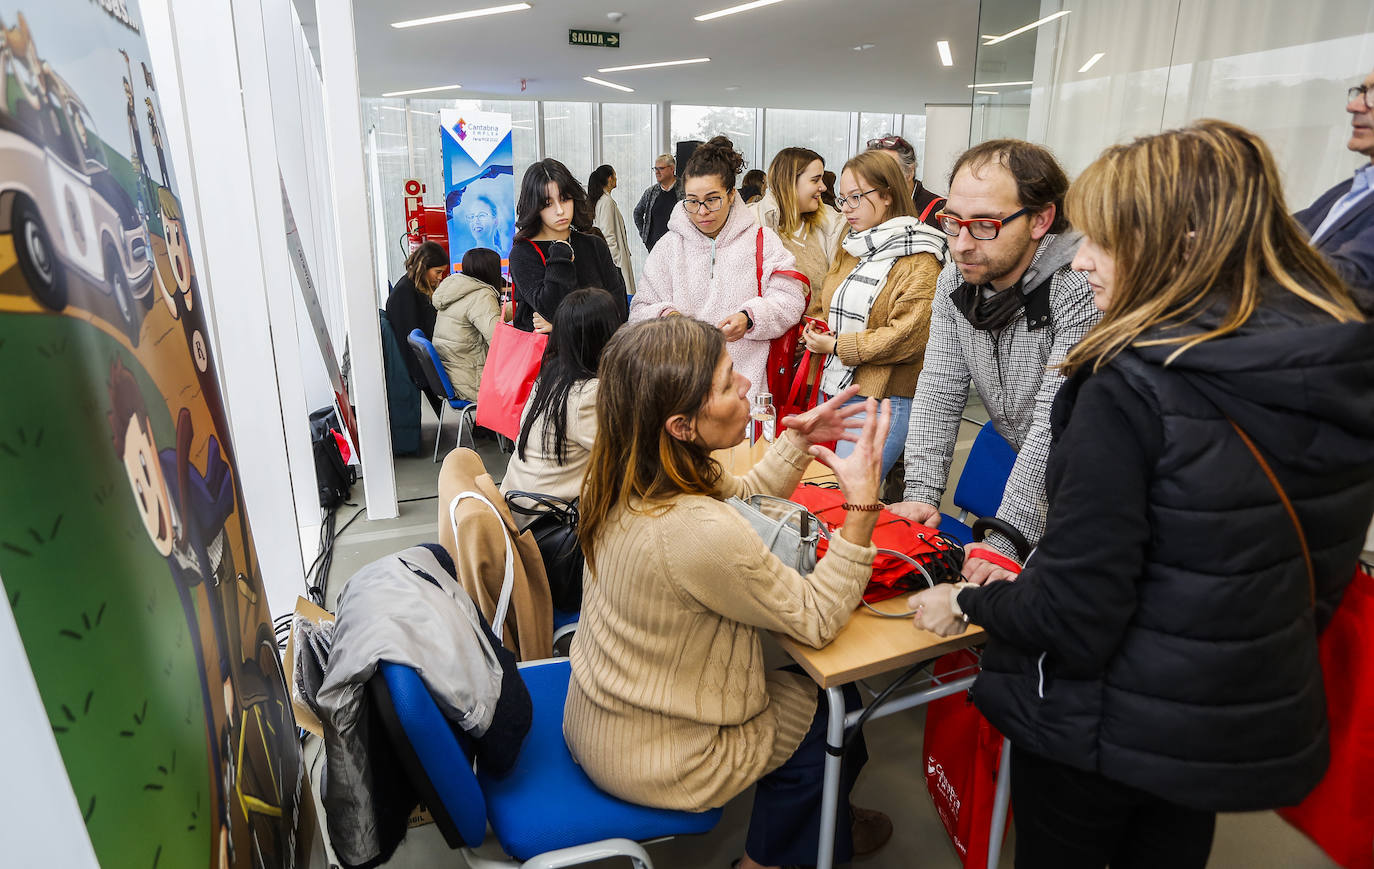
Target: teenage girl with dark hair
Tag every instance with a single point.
(469, 307)
(707, 266)
(606, 217)
(552, 254)
(559, 422)
(409, 306)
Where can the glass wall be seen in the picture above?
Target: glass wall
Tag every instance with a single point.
(388, 143)
(703, 122)
(627, 144)
(826, 133)
(567, 136)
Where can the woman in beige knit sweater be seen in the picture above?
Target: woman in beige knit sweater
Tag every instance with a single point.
(669, 703)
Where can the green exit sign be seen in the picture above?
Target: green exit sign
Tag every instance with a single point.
(597, 38)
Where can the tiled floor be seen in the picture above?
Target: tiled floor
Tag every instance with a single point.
(892, 781)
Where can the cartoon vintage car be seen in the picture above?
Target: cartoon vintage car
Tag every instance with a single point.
(66, 212)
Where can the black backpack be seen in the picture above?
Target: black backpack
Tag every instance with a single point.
(334, 475)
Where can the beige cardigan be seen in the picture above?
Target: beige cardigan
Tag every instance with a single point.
(540, 471)
(612, 226)
(669, 703)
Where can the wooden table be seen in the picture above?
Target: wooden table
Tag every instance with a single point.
(868, 646)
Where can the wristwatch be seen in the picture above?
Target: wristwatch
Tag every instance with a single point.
(748, 321)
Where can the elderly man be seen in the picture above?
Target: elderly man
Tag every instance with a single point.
(1007, 309)
(656, 205)
(927, 203)
(1342, 219)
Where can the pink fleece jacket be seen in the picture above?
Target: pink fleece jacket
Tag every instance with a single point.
(710, 279)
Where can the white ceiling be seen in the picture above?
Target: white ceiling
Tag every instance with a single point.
(795, 54)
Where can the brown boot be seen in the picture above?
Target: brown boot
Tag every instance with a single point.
(871, 830)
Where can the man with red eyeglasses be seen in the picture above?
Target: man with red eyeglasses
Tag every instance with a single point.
(1007, 309)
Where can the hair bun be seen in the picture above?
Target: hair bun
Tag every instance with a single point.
(716, 157)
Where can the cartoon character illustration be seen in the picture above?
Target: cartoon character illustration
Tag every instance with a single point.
(147, 76)
(156, 132)
(177, 285)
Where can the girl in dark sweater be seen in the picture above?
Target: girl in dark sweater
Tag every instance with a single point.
(553, 254)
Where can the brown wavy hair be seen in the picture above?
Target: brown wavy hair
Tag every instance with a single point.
(787, 166)
(1193, 217)
(425, 257)
(649, 372)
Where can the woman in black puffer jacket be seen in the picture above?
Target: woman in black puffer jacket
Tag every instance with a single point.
(1156, 661)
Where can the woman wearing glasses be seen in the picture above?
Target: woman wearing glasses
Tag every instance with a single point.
(877, 295)
(553, 254)
(716, 264)
(792, 207)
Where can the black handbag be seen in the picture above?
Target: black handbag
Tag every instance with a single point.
(555, 531)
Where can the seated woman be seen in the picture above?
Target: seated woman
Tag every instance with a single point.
(669, 703)
(1156, 662)
(558, 425)
(408, 307)
(468, 307)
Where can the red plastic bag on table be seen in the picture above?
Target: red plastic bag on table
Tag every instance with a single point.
(962, 753)
(513, 361)
(1339, 814)
(892, 575)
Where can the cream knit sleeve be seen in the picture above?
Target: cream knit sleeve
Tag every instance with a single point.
(778, 473)
(715, 561)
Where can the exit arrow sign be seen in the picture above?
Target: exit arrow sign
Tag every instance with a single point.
(596, 38)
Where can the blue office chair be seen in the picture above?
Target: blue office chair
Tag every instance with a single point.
(545, 812)
(437, 377)
(981, 484)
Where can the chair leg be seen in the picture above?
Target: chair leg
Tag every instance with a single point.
(439, 435)
(591, 852)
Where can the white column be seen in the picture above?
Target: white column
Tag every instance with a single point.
(344, 132)
(220, 178)
(42, 823)
(947, 136)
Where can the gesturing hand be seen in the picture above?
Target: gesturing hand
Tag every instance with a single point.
(860, 474)
(831, 421)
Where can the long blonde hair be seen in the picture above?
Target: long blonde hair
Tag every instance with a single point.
(787, 166)
(649, 372)
(1192, 217)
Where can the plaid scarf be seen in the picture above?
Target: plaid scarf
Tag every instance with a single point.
(877, 249)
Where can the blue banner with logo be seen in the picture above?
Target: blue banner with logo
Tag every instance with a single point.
(479, 182)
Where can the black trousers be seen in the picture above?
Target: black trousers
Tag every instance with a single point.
(1069, 819)
(785, 826)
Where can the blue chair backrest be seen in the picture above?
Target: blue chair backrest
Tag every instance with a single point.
(985, 473)
(431, 364)
(431, 753)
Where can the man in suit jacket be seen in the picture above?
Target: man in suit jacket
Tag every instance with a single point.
(1342, 219)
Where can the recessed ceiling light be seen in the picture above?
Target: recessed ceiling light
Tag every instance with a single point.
(455, 16)
(1092, 60)
(743, 7)
(653, 65)
(732, 87)
(993, 40)
(946, 58)
(989, 93)
(446, 87)
(1000, 84)
(864, 46)
(608, 84)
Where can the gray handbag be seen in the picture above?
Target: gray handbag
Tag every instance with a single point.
(789, 530)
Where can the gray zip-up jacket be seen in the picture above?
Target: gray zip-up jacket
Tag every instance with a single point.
(1015, 374)
(644, 209)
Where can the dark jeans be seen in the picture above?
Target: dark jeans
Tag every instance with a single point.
(1069, 819)
(785, 826)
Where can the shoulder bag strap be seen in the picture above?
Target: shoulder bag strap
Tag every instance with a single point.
(758, 259)
(498, 619)
(1287, 505)
(934, 202)
(538, 251)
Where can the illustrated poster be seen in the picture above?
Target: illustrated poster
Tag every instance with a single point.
(479, 184)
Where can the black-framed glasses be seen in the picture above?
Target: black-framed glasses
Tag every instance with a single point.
(981, 228)
(711, 204)
(853, 199)
(1362, 93)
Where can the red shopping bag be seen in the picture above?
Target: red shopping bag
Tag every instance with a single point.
(1339, 814)
(782, 349)
(513, 362)
(962, 753)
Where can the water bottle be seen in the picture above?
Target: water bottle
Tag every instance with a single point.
(763, 412)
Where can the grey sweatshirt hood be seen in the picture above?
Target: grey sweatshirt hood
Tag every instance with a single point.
(1056, 251)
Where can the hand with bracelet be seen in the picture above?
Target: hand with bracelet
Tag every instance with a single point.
(860, 473)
